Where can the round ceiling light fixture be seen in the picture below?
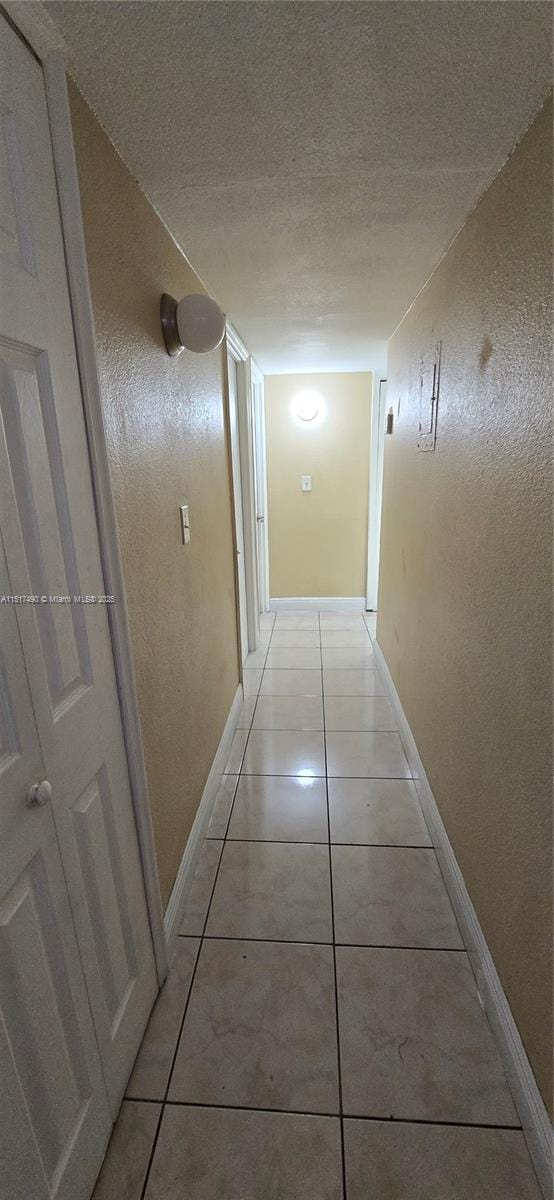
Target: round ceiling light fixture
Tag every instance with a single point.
(308, 407)
(194, 323)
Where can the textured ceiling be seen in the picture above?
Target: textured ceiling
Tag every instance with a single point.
(312, 159)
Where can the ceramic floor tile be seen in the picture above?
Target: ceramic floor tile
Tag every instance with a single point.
(246, 713)
(353, 683)
(291, 683)
(391, 897)
(298, 621)
(361, 713)
(285, 752)
(126, 1162)
(226, 1154)
(251, 679)
(307, 639)
(267, 620)
(366, 755)
(219, 820)
(273, 890)
(256, 658)
(338, 620)
(260, 1028)
(289, 712)
(294, 658)
(238, 746)
(153, 1062)
(201, 888)
(333, 639)
(345, 658)
(302, 610)
(280, 809)
(376, 811)
(415, 1041)
(371, 623)
(436, 1162)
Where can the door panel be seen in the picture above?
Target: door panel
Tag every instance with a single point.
(41, 1026)
(16, 243)
(55, 1114)
(50, 1063)
(51, 545)
(258, 427)
(33, 445)
(103, 877)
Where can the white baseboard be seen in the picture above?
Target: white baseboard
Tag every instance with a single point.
(527, 1098)
(328, 603)
(179, 893)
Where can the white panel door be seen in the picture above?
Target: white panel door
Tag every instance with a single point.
(55, 1115)
(260, 474)
(50, 539)
(237, 499)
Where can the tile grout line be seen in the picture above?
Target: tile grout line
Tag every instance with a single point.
(206, 937)
(337, 1027)
(296, 1112)
(285, 775)
(229, 937)
(168, 1084)
(305, 728)
(311, 842)
(164, 1102)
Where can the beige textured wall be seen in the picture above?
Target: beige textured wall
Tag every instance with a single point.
(318, 539)
(167, 444)
(465, 603)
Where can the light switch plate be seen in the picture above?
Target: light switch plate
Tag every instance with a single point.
(185, 523)
(306, 483)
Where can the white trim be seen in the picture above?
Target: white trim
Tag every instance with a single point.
(331, 603)
(235, 344)
(377, 447)
(36, 26)
(239, 615)
(83, 323)
(185, 874)
(246, 440)
(258, 404)
(239, 352)
(527, 1098)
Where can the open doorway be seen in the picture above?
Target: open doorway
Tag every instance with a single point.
(248, 470)
(260, 472)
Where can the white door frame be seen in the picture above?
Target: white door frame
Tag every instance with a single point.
(35, 27)
(240, 354)
(377, 447)
(260, 463)
(232, 429)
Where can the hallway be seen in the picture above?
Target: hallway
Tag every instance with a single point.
(293, 932)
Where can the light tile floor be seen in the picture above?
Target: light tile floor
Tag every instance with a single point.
(320, 1036)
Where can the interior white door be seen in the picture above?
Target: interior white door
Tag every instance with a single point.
(55, 1116)
(260, 472)
(237, 501)
(50, 539)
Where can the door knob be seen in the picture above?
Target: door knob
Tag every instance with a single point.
(40, 793)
